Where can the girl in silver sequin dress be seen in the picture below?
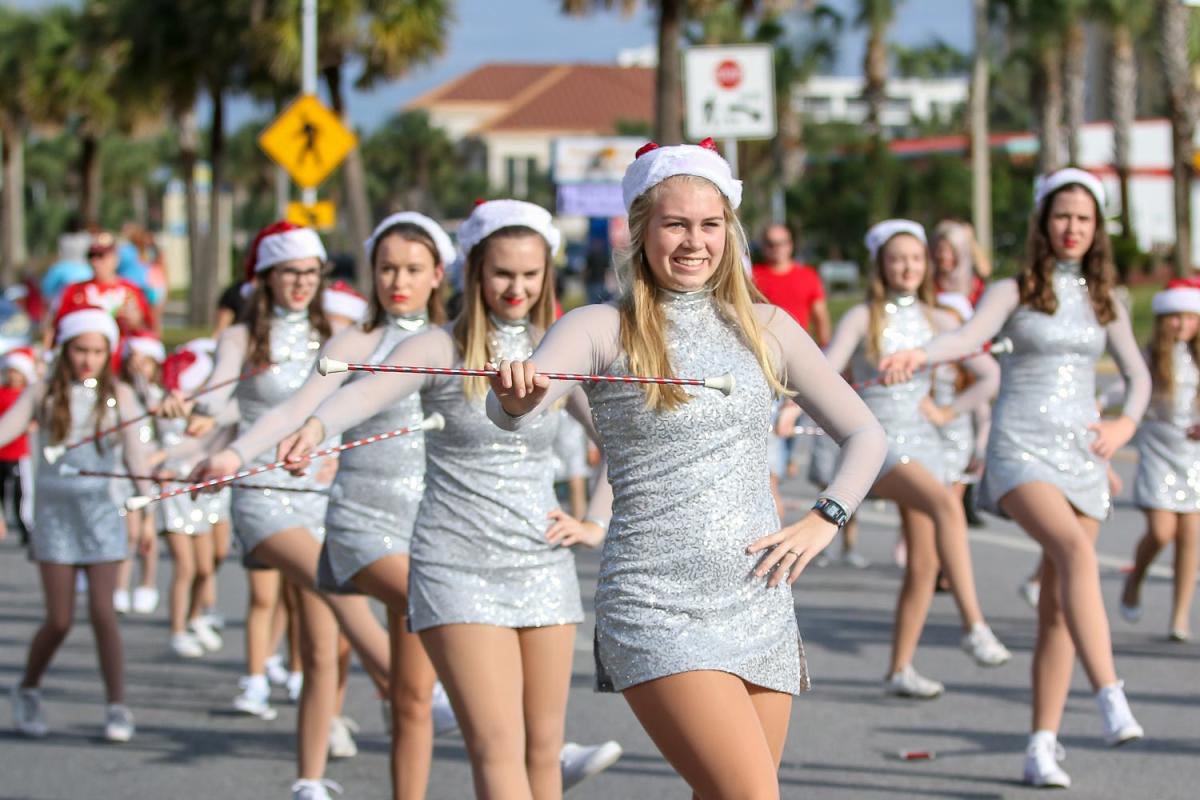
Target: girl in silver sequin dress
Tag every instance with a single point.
(1048, 449)
(1167, 486)
(77, 520)
(374, 497)
(283, 331)
(900, 314)
(491, 582)
(695, 623)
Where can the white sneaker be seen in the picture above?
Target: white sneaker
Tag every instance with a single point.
(1116, 716)
(206, 635)
(853, 558)
(255, 697)
(81, 582)
(1131, 614)
(341, 738)
(28, 717)
(1041, 762)
(294, 684)
(120, 597)
(277, 673)
(909, 683)
(185, 645)
(444, 721)
(145, 600)
(580, 762)
(214, 618)
(983, 646)
(307, 789)
(118, 723)
(1031, 593)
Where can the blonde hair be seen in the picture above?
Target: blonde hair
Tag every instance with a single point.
(472, 325)
(643, 321)
(55, 416)
(1162, 358)
(877, 295)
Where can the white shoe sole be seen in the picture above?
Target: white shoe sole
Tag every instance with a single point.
(1130, 733)
(608, 754)
(264, 713)
(118, 737)
(1047, 783)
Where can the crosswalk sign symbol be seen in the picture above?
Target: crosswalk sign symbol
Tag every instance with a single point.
(308, 140)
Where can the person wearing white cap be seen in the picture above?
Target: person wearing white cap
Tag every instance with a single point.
(1048, 451)
(19, 369)
(491, 577)
(343, 305)
(695, 620)
(77, 523)
(1167, 486)
(900, 313)
(284, 328)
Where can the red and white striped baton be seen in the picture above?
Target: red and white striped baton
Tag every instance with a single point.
(92, 473)
(434, 422)
(722, 383)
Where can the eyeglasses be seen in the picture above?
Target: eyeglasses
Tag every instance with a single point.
(297, 275)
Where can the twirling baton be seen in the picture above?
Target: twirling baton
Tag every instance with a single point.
(92, 473)
(53, 452)
(434, 422)
(722, 383)
(997, 347)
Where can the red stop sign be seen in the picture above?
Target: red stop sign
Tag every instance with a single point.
(729, 74)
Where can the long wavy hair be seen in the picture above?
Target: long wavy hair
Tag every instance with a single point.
(435, 308)
(877, 295)
(644, 322)
(472, 326)
(1036, 281)
(257, 318)
(1162, 360)
(55, 414)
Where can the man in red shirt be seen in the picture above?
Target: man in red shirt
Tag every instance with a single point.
(108, 292)
(794, 287)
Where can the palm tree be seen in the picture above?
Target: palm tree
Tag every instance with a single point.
(16, 31)
(1074, 76)
(876, 16)
(981, 161)
(1040, 25)
(1174, 27)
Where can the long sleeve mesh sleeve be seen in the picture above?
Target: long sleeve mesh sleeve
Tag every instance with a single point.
(849, 333)
(135, 450)
(228, 364)
(997, 304)
(1124, 349)
(983, 368)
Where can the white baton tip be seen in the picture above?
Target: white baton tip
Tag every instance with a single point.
(1004, 345)
(434, 422)
(722, 383)
(137, 503)
(53, 452)
(329, 366)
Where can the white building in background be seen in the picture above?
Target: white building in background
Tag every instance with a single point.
(834, 98)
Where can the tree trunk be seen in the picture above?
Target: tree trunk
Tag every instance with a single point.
(205, 286)
(89, 173)
(1075, 85)
(354, 177)
(188, 143)
(668, 86)
(1123, 98)
(1183, 100)
(1047, 91)
(981, 156)
(12, 206)
(139, 200)
(875, 85)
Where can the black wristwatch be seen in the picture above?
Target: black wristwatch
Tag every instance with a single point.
(831, 510)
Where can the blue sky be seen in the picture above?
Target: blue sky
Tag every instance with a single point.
(534, 30)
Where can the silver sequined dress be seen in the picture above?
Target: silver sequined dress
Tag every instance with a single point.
(676, 590)
(374, 498)
(1047, 396)
(1168, 476)
(182, 514)
(957, 436)
(259, 513)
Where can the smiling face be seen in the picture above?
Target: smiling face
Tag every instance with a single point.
(685, 234)
(902, 263)
(86, 355)
(294, 284)
(1071, 223)
(406, 274)
(513, 275)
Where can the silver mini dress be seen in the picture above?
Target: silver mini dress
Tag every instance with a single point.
(1168, 476)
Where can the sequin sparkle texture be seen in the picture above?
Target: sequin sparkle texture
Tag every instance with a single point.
(1168, 475)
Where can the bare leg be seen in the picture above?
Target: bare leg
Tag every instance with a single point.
(264, 594)
(287, 620)
(318, 649)
(220, 540)
(150, 554)
(546, 655)
(1187, 553)
(343, 672)
(58, 591)
(1161, 528)
(183, 578)
(708, 727)
(205, 567)
(102, 581)
(916, 591)
(850, 536)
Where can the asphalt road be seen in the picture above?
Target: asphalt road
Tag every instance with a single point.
(845, 734)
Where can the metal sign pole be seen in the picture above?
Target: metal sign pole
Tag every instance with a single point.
(731, 155)
(308, 67)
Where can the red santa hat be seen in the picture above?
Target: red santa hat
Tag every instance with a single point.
(186, 370)
(87, 319)
(279, 242)
(1181, 296)
(341, 299)
(23, 360)
(146, 344)
(654, 163)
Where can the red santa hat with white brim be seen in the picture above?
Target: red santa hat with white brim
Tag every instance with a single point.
(88, 320)
(653, 164)
(23, 361)
(146, 345)
(1181, 296)
(881, 233)
(186, 370)
(285, 241)
(340, 299)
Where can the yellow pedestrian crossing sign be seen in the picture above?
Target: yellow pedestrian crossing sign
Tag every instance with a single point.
(308, 140)
(319, 216)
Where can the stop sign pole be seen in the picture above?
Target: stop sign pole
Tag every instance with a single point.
(729, 76)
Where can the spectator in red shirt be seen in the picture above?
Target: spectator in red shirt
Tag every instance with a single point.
(794, 287)
(19, 370)
(108, 292)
